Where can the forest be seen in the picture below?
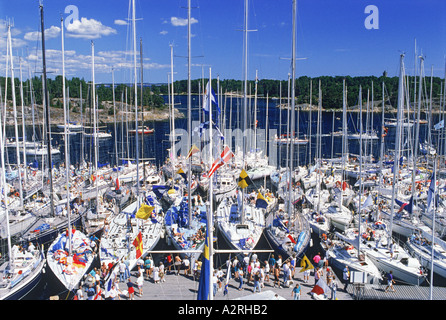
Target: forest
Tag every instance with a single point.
(152, 94)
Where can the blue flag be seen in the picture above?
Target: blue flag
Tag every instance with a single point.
(261, 201)
(209, 94)
(205, 275)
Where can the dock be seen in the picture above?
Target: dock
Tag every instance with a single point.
(402, 292)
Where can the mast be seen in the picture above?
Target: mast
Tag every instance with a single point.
(15, 117)
(95, 134)
(189, 113)
(66, 136)
(293, 98)
(360, 166)
(135, 75)
(245, 106)
(142, 113)
(47, 113)
(25, 176)
(396, 159)
(116, 134)
(211, 195)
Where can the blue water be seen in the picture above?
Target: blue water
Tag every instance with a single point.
(155, 145)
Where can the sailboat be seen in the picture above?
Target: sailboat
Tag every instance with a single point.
(70, 256)
(23, 268)
(288, 229)
(404, 267)
(136, 230)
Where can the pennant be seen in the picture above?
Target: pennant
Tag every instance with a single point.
(205, 275)
(405, 206)
(194, 149)
(208, 98)
(182, 173)
(138, 245)
(291, 238)
(305, 264)
(225, 156)
(244, 180)
(144, 212)
(261, 201)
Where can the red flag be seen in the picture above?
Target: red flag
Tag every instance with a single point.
(344, 186)
(320, 287)
(225, 156)
(138, 245)
(117, 183)
(292, 239)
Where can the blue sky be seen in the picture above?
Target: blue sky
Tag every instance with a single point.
(331, 35)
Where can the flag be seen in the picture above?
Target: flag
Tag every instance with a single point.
(182, 173)
(225, 156)
(367, 203)
(344, 185)
(144, 212)
(261, 201)
(405, 206)
(194, 149)
(205, 275)
(108, 286)
(305, 264)
(117, 183)
(431, 192)
(439, 125)
(138, 245)
(320, 287)
(244, 180)
(206, 98)
(204, 126)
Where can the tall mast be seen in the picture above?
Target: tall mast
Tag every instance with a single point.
(66, 136)
(293, 97)
(47, 113)
(396, 159)
(189, 115)
(15, 117)
(95, 133)
(135, 75)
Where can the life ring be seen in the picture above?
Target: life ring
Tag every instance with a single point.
(17, 194)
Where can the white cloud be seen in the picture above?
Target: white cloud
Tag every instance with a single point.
(88, 29)
(180, 22)
(51, 32)
(164, 32)
(120, 22)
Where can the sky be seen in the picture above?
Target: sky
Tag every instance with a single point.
(334, 37)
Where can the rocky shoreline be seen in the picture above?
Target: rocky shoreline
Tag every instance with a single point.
(105, 114)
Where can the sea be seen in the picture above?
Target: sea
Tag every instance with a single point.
(263, 123)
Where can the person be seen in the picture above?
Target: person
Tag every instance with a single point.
(267, 271)
(334, 288)
(345, 277)
(79, 294)
(140, 283)
(306, 275)
(168, 262)
(148, 267)
(240, 278)
(220, 277)
(113, 293)
(186, 266)
(276, 275)
(162, 272)
(279, 261)
(91, 292)
(392, 249)
(272, 262)
(256, 282)
(130, 290)
(319, 273)
(156, 274)
(390, 282)
(214, 282)
(293, 265)
(122, 277)
(317, 259)
(177, 264)
(286, 273)
(262, 277)
(330, 276)
(296, 292)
